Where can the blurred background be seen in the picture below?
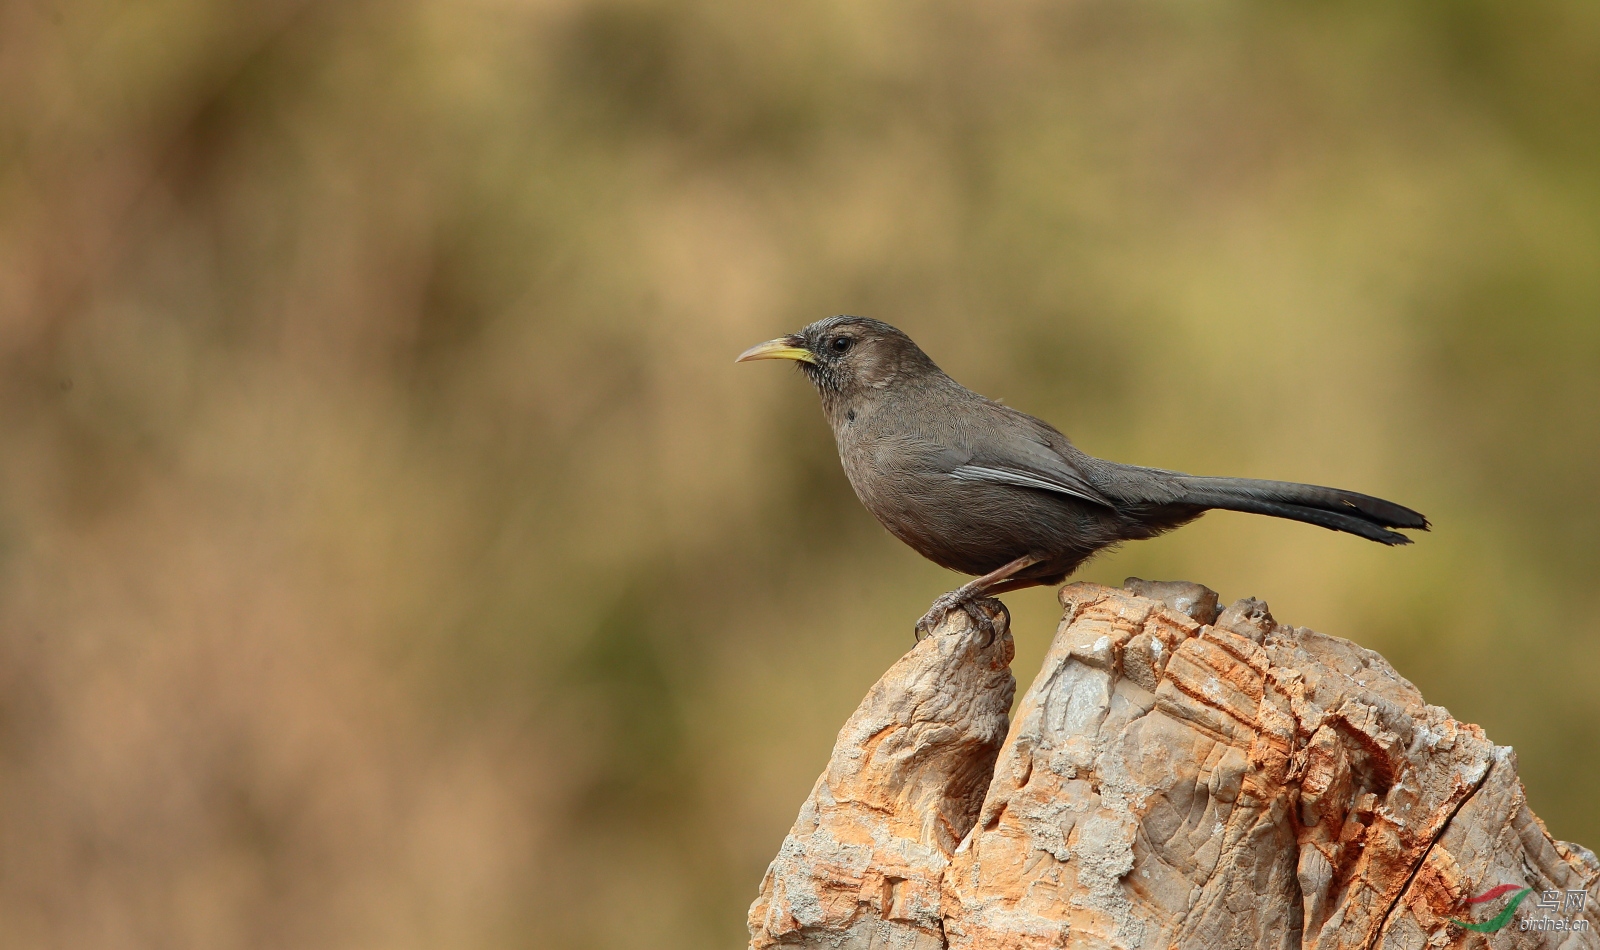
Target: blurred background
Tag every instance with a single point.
(391, 554)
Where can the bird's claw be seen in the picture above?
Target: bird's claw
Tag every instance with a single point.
(937, 611)
(948, 602)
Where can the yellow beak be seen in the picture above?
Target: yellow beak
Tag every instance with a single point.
(782, 349)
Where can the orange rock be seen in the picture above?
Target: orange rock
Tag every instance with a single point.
(1174, 778)
(863, 864)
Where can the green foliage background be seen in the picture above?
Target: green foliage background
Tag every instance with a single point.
(391, 554)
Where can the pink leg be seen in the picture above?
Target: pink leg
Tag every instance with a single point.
(995, 582)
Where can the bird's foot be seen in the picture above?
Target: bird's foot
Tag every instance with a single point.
(977, 608)
(941, 606)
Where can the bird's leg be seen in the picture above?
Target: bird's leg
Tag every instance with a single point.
(982, 617)
(994, 582)
(1016, 583)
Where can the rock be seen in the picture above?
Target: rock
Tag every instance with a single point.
(1195, 601)
(862, 866)
(1175, 778)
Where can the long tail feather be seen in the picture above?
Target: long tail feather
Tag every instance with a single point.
(1332, 508)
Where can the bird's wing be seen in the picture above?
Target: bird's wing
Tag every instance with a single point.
(1002, 476)
(1018, 455)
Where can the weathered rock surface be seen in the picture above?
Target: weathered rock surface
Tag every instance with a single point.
(1175, 778)
(863, 864)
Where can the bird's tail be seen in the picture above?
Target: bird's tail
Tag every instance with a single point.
(1332, 508)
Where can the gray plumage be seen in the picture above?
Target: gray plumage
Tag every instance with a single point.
(983, 489)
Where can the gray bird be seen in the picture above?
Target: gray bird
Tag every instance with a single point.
(983, 489)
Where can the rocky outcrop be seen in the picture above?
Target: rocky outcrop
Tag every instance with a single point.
(1177, 776)
(864, 863)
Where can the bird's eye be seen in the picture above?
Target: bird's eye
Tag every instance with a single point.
(840, 344)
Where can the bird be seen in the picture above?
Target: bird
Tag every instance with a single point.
(985, 490)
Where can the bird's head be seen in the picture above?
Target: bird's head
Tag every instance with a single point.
(848, 357)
